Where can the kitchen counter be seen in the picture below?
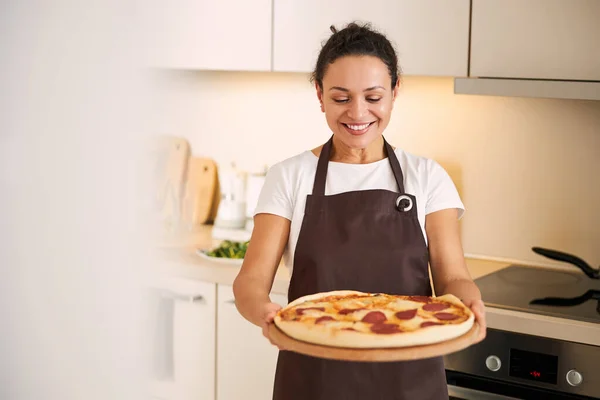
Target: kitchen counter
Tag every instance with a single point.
(178, 258)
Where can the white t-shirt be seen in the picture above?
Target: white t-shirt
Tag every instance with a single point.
(289, 182)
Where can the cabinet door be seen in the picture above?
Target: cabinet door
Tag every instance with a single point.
(540, 39)
(246, 360)
(183, 345)
(210, 34)
(431, 36)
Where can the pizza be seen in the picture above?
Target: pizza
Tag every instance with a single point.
(374, 320)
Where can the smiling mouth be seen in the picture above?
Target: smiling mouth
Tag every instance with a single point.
(358, 127)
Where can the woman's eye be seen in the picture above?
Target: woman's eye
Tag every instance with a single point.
(369, 99)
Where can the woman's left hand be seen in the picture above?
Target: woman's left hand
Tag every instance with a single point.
(478, 309)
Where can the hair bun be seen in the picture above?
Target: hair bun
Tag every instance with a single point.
(359, 40)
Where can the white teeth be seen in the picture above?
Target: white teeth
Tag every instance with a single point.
(357, 127)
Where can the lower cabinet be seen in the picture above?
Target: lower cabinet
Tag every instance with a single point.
(183, 333)
(203, 349)
(246, 360)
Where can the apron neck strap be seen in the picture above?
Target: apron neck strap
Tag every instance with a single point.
(323, 163)
(395, 164)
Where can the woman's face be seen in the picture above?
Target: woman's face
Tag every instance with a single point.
(357, 99)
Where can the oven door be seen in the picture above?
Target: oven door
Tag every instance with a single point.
(463, 386)
(459, 393)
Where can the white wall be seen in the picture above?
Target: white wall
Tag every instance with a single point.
(73, 250)
(527, 169)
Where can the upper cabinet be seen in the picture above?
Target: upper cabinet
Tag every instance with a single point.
(537, 39)
(430, 36)
(233, 35)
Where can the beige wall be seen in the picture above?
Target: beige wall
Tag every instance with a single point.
(527, 169)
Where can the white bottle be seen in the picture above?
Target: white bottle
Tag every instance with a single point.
(231, 213)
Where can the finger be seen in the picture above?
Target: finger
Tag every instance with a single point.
(482, 327)
(479, 313)
(265, 331)
(270, 316)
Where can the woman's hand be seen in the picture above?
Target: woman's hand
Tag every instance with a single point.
(478, 309)
(269, 312)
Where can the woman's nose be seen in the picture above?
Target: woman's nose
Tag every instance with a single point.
(357, 109)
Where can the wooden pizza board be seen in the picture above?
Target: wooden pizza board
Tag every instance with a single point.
(376, 354)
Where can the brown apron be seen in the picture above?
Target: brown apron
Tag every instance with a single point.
(369, 241)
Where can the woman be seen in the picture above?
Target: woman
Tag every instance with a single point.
(356, 214)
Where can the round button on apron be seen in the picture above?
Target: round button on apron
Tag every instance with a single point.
(404, 203)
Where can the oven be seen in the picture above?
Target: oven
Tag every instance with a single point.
(508, 365)
(543, 337)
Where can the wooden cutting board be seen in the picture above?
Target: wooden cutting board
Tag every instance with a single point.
(200, 191)
(172, 155)
(375, 355)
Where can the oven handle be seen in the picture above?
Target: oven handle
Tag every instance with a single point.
(461, 393)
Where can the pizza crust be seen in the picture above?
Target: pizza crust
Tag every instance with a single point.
(323, 334)
(318, 296)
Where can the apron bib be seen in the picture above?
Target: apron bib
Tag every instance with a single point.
(369, 241)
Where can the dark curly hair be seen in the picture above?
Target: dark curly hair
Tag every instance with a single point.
(356, 40)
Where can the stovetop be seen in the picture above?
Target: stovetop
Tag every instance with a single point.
(572, 295)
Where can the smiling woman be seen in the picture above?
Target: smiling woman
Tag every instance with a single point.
(359, 111)
(356, 214)
(357, 79)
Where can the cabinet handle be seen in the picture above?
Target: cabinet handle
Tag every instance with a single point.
(190, 298)
(230, 301)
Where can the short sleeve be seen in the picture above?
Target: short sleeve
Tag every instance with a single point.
(276, 194)
(441, 191)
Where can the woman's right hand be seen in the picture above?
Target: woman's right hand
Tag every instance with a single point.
(269, 311)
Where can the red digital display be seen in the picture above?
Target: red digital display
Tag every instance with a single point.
(533, 366)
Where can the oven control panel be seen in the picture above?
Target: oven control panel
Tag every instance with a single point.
(533, 366)
(533, 361)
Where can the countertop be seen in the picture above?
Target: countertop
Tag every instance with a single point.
(178, 258)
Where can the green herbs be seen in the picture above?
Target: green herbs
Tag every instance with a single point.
(229, 249)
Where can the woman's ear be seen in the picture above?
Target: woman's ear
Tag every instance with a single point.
(320, 96)
(395, 90)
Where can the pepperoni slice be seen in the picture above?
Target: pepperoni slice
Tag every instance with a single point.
(444, 316)
(385, 329)
(346, 311)
(408, 314)
(300, 311)
(420, 299)
(435, 307)
(323, 319)
(374, 317)
(429, 323)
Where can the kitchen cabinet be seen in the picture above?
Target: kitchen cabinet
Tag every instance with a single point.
(233, 35)
(245, 359)
(537, 39)
(184, 337)
(431, 36)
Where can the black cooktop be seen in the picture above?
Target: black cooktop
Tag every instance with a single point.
(543, 291)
